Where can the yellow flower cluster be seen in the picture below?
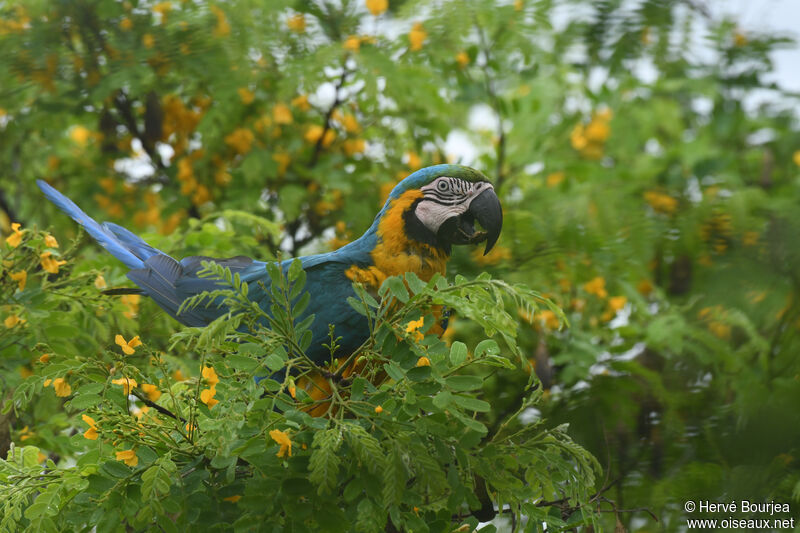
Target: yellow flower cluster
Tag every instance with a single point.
(223, 28)
(714, 317)
(416, 37)
(376, 7)
(207, 395)
(413, 326)
(315, 131)
(590, 139)
(497, 254)
(13, 320)
(297, 23)
(49, 263)
(661, 202)
(241, 140)
(596, 286)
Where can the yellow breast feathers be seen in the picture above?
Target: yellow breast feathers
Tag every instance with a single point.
(395, 254)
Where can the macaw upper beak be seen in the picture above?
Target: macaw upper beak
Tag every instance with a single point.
(486, 209)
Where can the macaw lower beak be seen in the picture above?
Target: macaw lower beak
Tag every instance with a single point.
(486, 209)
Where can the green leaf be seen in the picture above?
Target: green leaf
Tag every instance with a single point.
(464, 383)
(324, 462)
(472, 404)
(458, 353)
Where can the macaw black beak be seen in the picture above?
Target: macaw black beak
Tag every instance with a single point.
(487, 211)
(485, 208)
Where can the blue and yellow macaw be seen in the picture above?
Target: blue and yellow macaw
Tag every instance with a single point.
(425, 214)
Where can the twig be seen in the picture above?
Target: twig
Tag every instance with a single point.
(157, 407)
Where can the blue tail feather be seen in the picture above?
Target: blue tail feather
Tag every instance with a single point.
(118, 244)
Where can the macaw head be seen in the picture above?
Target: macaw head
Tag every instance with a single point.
(443, 204)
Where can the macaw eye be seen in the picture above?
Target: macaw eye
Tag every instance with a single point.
(442, 186)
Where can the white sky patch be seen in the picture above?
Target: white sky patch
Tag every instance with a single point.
(483, 118)
(461, 147)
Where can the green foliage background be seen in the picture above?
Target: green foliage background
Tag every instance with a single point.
(658, 213)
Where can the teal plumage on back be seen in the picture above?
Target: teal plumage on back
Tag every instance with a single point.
(425, 214)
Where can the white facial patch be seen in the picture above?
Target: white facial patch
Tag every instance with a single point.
(447, 197)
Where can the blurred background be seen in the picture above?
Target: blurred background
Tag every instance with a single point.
(647, 154)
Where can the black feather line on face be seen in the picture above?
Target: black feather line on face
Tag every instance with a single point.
(417, 231)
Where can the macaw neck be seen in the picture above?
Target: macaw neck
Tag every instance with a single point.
(393, 252)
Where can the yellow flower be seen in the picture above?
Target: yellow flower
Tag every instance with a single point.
(131, 301)
(352, 43)
(241, 140)
(20, 277)
(645, 287)
(80, 135)
(152, 391)
(50, 241)
(210, 376)
(413, 326)
(549, 320)
(617, 302)
(423, 361)
(417, 36)
(90, 433)
(125, 24)
(100, 282)
(297, 23)
(301, 102)
(282, 438)
(233, 499)
(47, 382)
(283, 159)
(462, 58)
(222, 28)
(207, 397)
(49, 263)
(750, 238)
(315, 131)
(282, 114)
(62, 387)
(660, 202)
(597, 131)
(246, 95)
(353, 146)
(127, 384)
(348, 122)
(414, 161)
(15, 238)
(518, 5)
(162, 8)
(497, 254)
(739, 39)
(128, 347)
(378, 410)
(796, 158)
(13, 320)
(128, 457)
(376, 7)
(44, 358)
(178, 375)
(596, 286)
(554, 179)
